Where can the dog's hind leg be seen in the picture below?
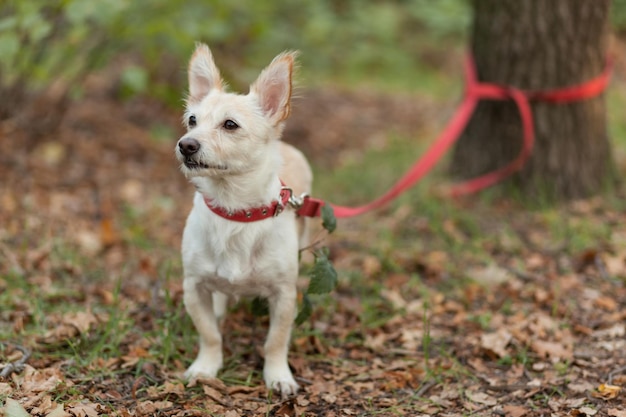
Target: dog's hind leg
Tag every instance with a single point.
(199, 305)
(276, 371)
(220, 302)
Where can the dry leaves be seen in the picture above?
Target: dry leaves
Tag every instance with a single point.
(41, 380)
(607, 391)
(69, 326)
(481, 398)
(415, 327)
(495, 343)
(14, 409)
(515, 410)
(47, 408)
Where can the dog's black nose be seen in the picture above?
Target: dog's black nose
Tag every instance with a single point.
(188, 146)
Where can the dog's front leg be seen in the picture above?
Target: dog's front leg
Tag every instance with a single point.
(276, 371)
(199, 305)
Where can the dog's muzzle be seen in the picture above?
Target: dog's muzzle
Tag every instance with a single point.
(188, 148)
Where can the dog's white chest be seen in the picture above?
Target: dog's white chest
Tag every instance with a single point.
(221, 255)
(238, 258)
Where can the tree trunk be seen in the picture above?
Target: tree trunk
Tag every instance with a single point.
(539, 45)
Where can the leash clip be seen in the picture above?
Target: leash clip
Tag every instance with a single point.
(294, 201)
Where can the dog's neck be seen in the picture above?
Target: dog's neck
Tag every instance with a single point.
(242, 191)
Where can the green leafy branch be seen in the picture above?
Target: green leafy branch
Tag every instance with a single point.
(322, 275)
(323, 280)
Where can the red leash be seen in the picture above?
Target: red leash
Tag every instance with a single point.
(475, 91)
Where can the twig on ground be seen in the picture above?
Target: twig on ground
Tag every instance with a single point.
(508, 388)
(304, 380)
(425, 388)
(614, 373)
(18, 365)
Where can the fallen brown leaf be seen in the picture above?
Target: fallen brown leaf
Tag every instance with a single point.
(615, 331)
(59, 411)
(36, 381)
(5, 389)
(584, 411)
(13, 408)
(87, 409)
(394, 297)
(215, 395)
(515, 410)
(606, 391)
(606, 303)
(44, 406)
(580, 387)
(167, 389)
(148, 408)
(481, 398)
(285, 409)
(495, 343)
(71, 325)
(552, 350)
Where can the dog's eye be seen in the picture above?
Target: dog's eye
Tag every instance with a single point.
(230, 125)
(191, 121)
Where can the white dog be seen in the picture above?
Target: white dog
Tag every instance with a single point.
(238, 240)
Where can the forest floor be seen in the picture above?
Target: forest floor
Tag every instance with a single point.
(479, 306)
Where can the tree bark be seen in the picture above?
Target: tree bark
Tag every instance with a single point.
(539, 45)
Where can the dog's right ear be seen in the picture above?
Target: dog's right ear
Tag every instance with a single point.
(203, 74)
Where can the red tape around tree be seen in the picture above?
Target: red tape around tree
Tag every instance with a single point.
(474, 92)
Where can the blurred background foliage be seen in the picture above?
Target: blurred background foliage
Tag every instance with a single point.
(59, 42)
(43, 42)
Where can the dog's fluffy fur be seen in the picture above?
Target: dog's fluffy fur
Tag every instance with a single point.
(238, 161)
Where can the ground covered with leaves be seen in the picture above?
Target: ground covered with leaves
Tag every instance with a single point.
(481, 306)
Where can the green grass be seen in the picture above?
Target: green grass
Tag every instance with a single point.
(170, 332)
(357, 181)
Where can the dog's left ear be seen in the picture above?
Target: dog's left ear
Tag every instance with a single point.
(273, 87)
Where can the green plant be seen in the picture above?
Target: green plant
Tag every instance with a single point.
(426, 338)
(482, 319)
(322, 275)
(563, 367)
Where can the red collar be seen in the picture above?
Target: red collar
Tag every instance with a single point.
(305, 206)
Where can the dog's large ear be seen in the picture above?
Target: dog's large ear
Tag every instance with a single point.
(273, 86)
(203, 74)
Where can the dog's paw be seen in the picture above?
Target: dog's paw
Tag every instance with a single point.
(202, 369)
(286, 388)
(281, 380)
